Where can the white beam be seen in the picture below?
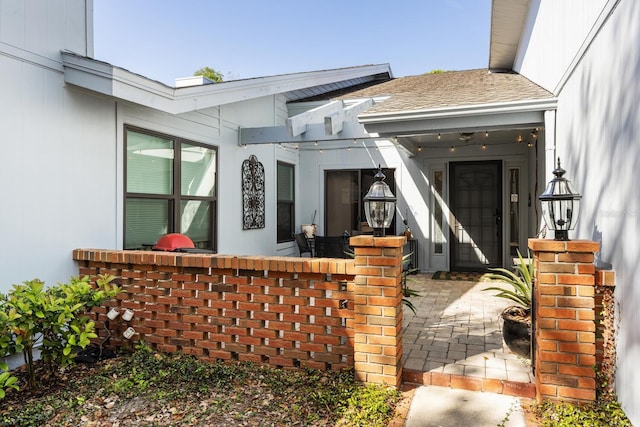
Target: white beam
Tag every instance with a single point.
(333, 123)
(315, 132)
(297, 124)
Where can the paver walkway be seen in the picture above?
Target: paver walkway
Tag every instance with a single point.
(457, 330)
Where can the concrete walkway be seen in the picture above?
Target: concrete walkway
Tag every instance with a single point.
(457, 331)
(434, 406)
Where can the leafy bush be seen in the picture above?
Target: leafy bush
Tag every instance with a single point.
(7, 380)
(52, 319)
(521, 281)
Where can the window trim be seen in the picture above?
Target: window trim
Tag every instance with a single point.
(175, 197)
(291, 203)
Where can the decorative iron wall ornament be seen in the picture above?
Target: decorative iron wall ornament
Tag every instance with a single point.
(252, 193)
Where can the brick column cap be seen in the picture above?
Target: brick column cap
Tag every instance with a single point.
(549, 245)
(378, 242)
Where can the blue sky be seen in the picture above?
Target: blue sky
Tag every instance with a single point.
(167, 39)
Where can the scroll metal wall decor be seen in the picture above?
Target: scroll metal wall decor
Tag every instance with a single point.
(252, 193)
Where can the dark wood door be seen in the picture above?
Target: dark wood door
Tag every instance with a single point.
(476, 215)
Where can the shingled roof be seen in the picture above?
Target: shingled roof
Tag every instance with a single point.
(448, 89)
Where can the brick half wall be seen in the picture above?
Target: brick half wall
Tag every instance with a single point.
(278, 311)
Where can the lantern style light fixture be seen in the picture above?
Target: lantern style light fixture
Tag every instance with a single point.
(560, 205)
(379, 205)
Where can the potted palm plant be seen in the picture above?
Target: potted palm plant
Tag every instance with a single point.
(516, 330)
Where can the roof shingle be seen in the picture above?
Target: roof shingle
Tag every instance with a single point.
(449, 89)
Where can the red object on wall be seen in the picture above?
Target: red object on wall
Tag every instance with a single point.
(172, 242)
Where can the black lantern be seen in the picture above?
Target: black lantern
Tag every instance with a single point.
(379, 205)
(560, 205)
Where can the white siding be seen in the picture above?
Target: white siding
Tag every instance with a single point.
(598, 126)
(232, 239)
(58, 174)
(555, 32)
(46, 27)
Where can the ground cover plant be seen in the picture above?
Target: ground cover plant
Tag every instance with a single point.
(145, 388)
(602, 413)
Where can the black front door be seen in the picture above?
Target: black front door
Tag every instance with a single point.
(476, 215)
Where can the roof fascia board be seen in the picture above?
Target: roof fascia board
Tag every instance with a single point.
(104, 78)
(241, 90)
(459, 119)
(458, 124)
(461, 111)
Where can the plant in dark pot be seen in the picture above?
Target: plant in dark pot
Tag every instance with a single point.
(516, 329)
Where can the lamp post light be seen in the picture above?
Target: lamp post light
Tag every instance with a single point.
(379, 205)
(560, 205)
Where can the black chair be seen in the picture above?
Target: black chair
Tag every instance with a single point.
(331, 246)
(303, 243)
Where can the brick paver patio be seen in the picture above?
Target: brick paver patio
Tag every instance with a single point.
(457, 331)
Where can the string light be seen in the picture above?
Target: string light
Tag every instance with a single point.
(519, 138)
(419, 148)
(452, 149)
(438, 136)
(486, 133)
(484, 146)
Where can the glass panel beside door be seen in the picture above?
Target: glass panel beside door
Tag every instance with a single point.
(344, 191)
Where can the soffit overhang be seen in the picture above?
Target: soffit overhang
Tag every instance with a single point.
(507, 22)
(106, 79)
(407, 127)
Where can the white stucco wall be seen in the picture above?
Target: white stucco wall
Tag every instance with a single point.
(598, 126)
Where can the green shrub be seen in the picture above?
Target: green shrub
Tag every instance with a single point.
(32, 315)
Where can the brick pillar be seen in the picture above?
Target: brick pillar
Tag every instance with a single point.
(564, 319)
(378, 309)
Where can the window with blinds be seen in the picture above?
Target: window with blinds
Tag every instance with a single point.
(170, 188)
(286, 202)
